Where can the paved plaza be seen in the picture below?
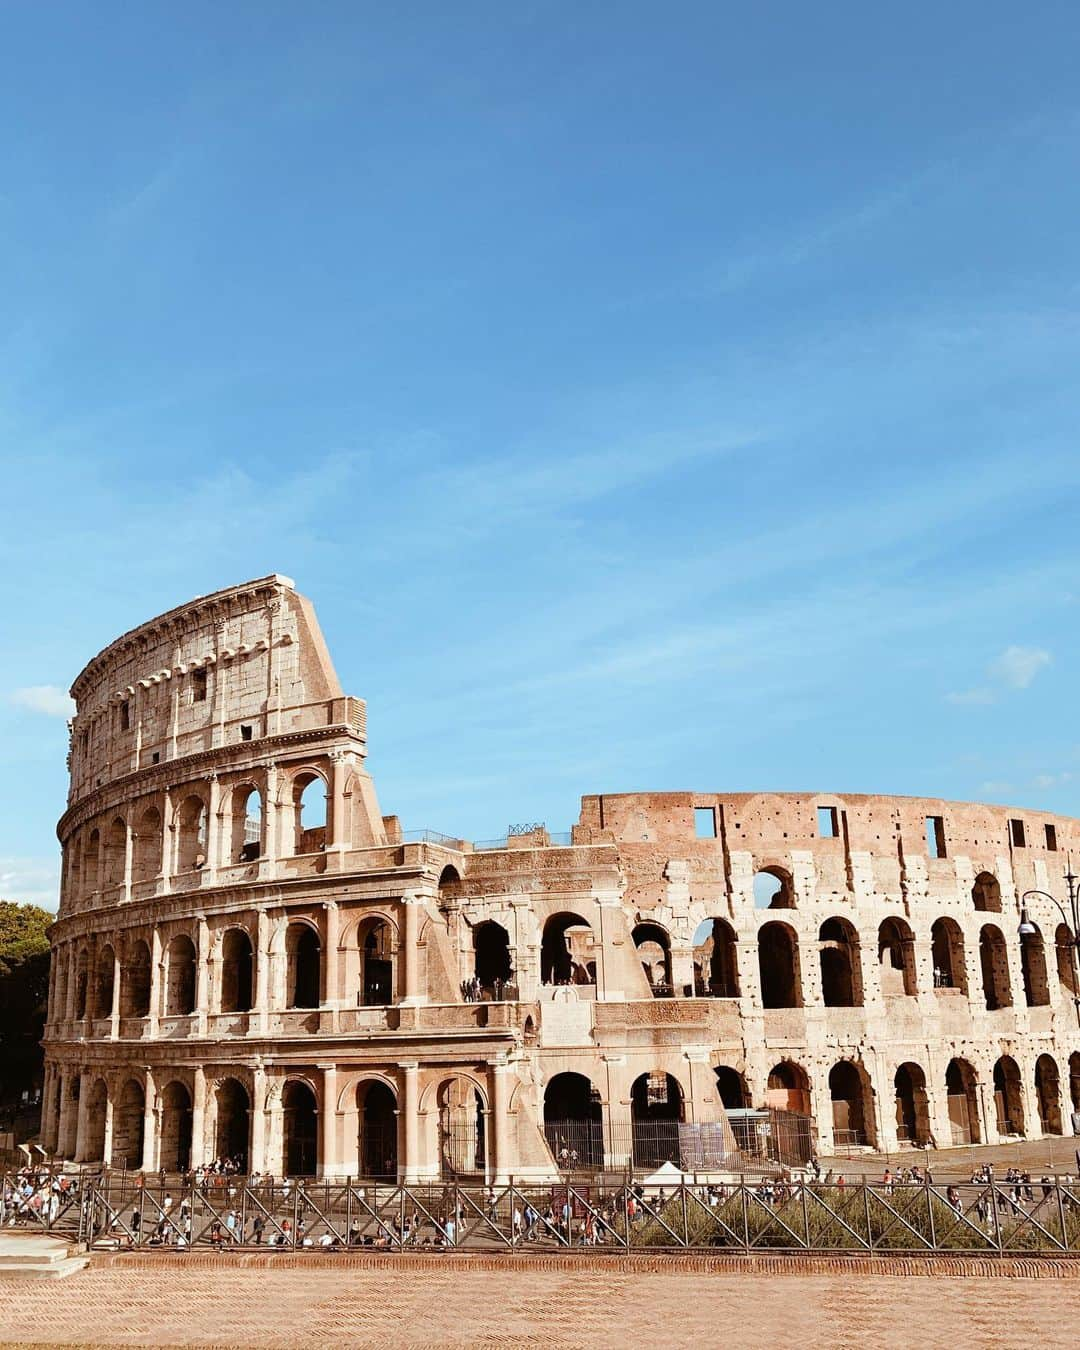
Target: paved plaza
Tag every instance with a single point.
(592, 1305)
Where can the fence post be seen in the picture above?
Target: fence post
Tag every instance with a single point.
(745, 1218)
(930, 1213)
(685, 1221)
(866, 1209)
(1061, 1215)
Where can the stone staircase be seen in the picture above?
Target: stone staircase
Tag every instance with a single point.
(37, 1256)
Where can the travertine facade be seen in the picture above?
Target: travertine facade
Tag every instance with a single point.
(251, 960)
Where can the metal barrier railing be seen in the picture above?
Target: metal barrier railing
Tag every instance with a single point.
(777, 1216)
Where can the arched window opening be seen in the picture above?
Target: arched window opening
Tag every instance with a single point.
(947, 950)
(528, 1033)
(377, 1114)
(127, 1140)
(962, 1101)
(1066, 962)
(656, 1110)
(462, 1146)
(115, 853)
(896, 959)
(92, 863)
(96, 1111)
(573, 1122)
(1008, 1097)
(103, 982)
(773, 889)
(731, 1089)
(180, 977)
(303, 953)
(449, 884)
(237, 971)
(1048, 1091)
(309, 808)
(146, 846)
(716, 961)
(778, 958)
(73, 858)
(986, 893)
(852, 1105)
(1074, 1088)
(299, 1152)
(246, 843)
(566, 950)
(1033, 969)
(912, 1105)
(654, 953)
(82, 977)
(233, 1123)
(191, 835)
(175, 1155)
(994, 959)
(841, 977)
(135, 984)
(491, 959)
(376, 944)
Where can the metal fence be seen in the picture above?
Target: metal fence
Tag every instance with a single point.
(787, 1216)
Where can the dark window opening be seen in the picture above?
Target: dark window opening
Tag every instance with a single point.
(935, 836)
(1051, 838)
(125, 717)
(155, 758)
(245, 733)
(1016, 833)
(705, 822)
(828, 827)
(198, 686)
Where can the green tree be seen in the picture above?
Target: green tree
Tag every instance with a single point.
(24, 993)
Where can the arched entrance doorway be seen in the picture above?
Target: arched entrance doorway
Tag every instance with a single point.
(180, 977)
(1008, 1097)
(462, 1133)
(566, 951)
(841, 980)
(304, 967)
(716, 963)
(175, 1146)
(896, 958)
(1048, 1092)
(299, 1133)
(731, 1088)
(1033, 968)
(573, 1122)
(912, 1105)
(947, 951)
(376, 941)
(377, 1113)
(656, 1109)
(962, 1100)
(96, 1108)
(994, 959)
(128, 1125)
(233, 1122)
(852, 1105)
(237, 970)
(778, 959)
(491, 958)
(788, 1088)
(654, 952)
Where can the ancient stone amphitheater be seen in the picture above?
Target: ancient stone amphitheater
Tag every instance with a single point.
(251, 961)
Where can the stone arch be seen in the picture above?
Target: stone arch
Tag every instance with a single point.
(73, 858)
(449, 883)
(462, 1117)
(96, 1112)
(82, 983)
(841, 974)
(566, 949)
(716, 960)
(91, 862)
(1033, 967)
(1009, 1097)
(731, 1088)
(961, 1093)
(128, 1111)
(377, 960)
(573, 1121)
(135, 981)
(309, 795)
(146, 845)
(912, 1104)
(104, 975)
(986, 893)
(491, 956)
(377, 1113)
(175, 1138)
(237, 971)
(115, 852)
(300, 1129)
(947, 951)
(656, 1111)
(303, 964)
(896, 958)
(1048, 1094)
(994, 960)
(180, 961)
(191, 827)
(852, 1104)
(1066, 964)
(778, 959)
(232, 1122)
(654, 952)
(773, 888)
(245, 823)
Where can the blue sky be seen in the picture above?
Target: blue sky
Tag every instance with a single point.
(649, 397)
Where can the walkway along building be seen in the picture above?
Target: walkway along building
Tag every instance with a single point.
(250, 960)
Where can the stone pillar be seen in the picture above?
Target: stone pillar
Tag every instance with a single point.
(330, 988)
(257, 1160)
(64, 1120)
(80, 1121)
(100, 869)
(155, 980)
(72, 982)
(271, 823)
(410, 1164)
(213, 828)
(149, 1122)
(47, 1098)
(107, 1145)
(129, 847)
(202, 976)
(114, 1009)
(505, 1152)
(411, 924)
(338, 825)
(198, 1117)
(257, 1022)
(328, 1162)
(167, 828)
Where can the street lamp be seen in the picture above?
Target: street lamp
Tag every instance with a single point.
(1028, 929)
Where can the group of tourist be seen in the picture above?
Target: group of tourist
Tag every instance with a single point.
(472, 991)
(36, 1195)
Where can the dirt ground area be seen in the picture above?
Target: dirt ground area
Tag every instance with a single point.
(593, 1306)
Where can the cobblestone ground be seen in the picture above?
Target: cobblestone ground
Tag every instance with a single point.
(583, 1307)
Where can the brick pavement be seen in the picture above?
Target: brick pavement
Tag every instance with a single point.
(595, 1305)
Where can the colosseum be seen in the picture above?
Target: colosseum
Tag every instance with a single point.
(251, 961)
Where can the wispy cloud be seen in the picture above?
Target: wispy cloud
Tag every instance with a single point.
(30, 881)
(1015, 668)
(48, 699)
(1051, 780)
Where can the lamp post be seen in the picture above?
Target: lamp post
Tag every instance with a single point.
(1028, 929)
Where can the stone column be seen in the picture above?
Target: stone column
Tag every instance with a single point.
(47, 1097)
(257, 1022)
(505, 1152)
(330, 962)
(411, 924)
(271, 824)
(155, 980)
(100, 868)
(114, 1009)
(129, 847)
(198, 1117)
(257, 1160)
(72, 982)
(107, 1144)
(213, 829)
(328, 1163)
(149, 1123)
(338, 772)
(81, 1122)
(167, 828)
(64, 1118)
(202, 976)
(410, 1164)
